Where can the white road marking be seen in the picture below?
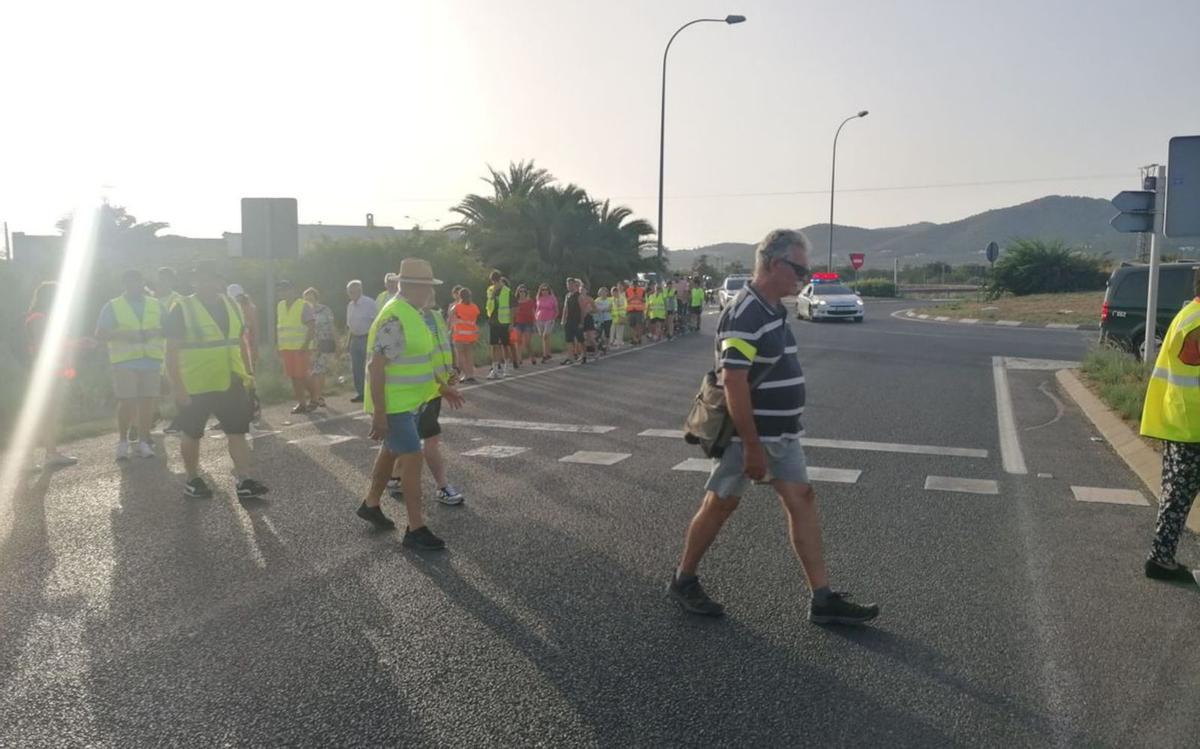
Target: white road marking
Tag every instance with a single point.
(533, 426)
(879, 447)
(496, 451)
(673, 433)
(594, 458)
(1012, 323)
(1109, 496)
(549, 368)
(1048, 365)
(834, 475)
(701, 465)
(1010, 441)
(964, 486)
(815, 473)
(969, 320)
(895, 447)
(322, 440)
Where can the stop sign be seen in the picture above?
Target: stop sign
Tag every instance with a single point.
(856, 259)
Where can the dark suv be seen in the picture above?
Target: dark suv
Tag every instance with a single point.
(1123, 316)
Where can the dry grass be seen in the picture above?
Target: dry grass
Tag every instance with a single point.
(1078, 308)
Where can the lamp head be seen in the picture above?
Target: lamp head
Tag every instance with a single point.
(863, 113)
(734, 19)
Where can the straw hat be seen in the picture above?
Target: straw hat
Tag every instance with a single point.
(416, 270)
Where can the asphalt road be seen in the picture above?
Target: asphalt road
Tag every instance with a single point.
(130, 616)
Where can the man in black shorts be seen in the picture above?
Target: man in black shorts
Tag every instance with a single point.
(572, 322)
(207, 369)
(499, 314)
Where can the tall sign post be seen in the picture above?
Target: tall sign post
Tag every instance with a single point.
(1138, 214)
(270, 232)
(856, 261)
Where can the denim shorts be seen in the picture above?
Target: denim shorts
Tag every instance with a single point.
(402, 434)
(785, 462)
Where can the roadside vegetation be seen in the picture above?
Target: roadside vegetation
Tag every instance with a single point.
(1079, 308)
(1117, 379)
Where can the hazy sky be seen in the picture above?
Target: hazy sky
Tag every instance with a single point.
(396, 107)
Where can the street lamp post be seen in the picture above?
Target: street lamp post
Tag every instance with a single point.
(662, 127)
(833, 181)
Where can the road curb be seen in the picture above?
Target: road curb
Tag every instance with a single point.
(912, 313)
(1128, 445)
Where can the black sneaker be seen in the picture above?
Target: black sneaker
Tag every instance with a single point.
(692, 598)
(374, 516)
(248, 488)
(197, 489)
(836, 609)
(1177, 574)
(422, 538)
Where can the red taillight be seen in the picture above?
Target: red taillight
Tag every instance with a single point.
(1104, 312)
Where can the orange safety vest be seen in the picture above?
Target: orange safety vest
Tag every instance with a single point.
(637, 299)
(466, 329)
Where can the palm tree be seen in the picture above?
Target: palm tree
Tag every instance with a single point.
(531, 226)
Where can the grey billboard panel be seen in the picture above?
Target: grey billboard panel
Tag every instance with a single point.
(270, 228)
(1182, 217)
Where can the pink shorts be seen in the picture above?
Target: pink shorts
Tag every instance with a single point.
(296, 364)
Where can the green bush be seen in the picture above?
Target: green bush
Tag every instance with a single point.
(1035, 267)
(877, 287)
(1119, 378)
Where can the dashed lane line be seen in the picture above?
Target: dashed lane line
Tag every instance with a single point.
(815, 473)
(884, 447)
(595, 458)
(961, 485)
(1109, 496)
(496, 451)
(532, 426)
(1010, 442)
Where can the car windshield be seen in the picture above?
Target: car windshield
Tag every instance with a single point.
(733, 284)
(830, 289)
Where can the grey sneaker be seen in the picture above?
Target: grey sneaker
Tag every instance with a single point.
(692, 598)
(836, 609)
(423, 539)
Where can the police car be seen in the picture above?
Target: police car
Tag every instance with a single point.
(827, 298)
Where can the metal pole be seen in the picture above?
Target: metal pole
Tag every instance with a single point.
(1151, 346)
(896, 274)
(270, 278)
(832, 183)
(662, 126)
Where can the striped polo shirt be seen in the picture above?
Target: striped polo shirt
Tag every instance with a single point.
(752, 334)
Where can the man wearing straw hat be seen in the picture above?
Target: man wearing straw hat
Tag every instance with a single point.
(401, 379)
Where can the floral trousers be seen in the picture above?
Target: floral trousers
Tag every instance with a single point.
(1180, 484)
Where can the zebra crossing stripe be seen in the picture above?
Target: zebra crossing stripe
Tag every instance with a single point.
(533, 426)
(593, 457)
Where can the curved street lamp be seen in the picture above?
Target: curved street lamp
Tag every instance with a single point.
(662, 128)
(833, 177)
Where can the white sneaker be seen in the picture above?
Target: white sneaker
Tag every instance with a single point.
(146, 450)
(506, 372)
(448, 495)
(123, 450)
(493, 374)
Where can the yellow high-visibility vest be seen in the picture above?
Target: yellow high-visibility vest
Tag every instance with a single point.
(407, 379)
(504, 313)
(1172, 407)
(151, 343)
(209, 358)
(290, 330)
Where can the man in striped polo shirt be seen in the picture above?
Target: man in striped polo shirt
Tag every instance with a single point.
(756, 345)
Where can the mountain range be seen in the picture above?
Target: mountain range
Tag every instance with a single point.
(1081, 223)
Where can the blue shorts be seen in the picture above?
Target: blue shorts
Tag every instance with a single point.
(785, 462)
(402, 437)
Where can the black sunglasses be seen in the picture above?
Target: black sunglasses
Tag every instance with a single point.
(801, 271)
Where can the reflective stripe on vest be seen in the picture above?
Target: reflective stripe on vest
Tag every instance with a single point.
(407, 380)
(208, 358)
(290, 330)
(504, 313)
(150, 345)
(443, 355)
(1172, 406)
